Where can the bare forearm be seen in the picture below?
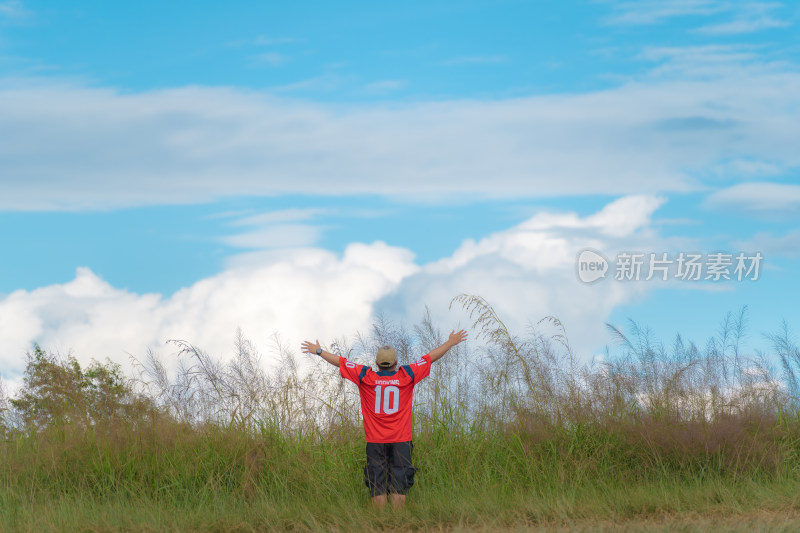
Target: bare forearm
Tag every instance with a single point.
(439, 351)
(330, 357)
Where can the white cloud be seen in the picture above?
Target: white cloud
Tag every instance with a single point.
(276, 236)
(72, 147)
(736, 27)
(736, 63)
(702, 55)
(547, 242)
(655, 11)
(66, 146)
(282, 215)
(758, 197)
(527, 272)
(748, 168)
(741, 17)
(276, 229)
(297, 294)
(748, 17)
(626, 215)
(770, 245)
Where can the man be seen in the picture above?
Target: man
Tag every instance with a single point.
(386, 401)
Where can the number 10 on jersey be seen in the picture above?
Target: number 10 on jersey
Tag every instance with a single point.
(387, 397)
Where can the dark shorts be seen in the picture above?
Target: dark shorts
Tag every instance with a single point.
(389, 467)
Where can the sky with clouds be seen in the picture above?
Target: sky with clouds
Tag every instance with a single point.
(180, 170)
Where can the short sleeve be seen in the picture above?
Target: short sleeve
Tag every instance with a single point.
(420, 369)
(349, 370)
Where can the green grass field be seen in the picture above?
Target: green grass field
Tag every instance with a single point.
(166, 478)
(511, 435)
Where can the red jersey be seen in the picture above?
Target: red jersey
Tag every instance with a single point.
(386, 397)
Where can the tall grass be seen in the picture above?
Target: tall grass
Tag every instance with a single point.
(510, 432)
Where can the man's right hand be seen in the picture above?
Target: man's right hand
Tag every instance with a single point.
(457, 337)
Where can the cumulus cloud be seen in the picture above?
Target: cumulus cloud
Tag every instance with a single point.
(294, 293)
(73, 147)
(528, 271)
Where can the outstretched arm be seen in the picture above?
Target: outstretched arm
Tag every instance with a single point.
(455, 338)
(312, 347)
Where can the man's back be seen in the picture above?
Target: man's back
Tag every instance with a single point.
(387, 398)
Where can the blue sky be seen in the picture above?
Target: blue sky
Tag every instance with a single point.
(178, 170)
